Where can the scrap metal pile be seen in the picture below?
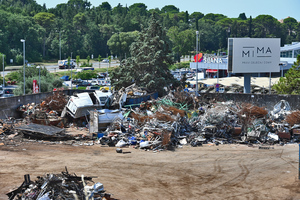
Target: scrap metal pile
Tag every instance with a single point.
(180, 119)
(59, 186)
(47, 112)
(176, 119)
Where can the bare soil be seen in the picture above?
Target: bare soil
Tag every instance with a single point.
(207, 172)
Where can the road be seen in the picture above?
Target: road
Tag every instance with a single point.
(54, 68)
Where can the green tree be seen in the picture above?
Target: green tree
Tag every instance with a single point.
(77, 60)
(119, 43)
(183, 42)
(170, 9)
(99, 60)
(48, 80)
(242, 16)
(46, 20)
(148, 65)
(88, 58)
(1, 63)
(86, 74)
(290, 84)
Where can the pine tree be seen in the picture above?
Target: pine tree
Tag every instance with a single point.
(150, 57)
(290, 84)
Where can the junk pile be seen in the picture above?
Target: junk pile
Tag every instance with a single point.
(59, 186)
(179, 118)
(47, 112)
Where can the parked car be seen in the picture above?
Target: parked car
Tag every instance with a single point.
(105, 61)
(92, 87)
(65, 78)
(8, 91)
(94, 82)
(65, 84)
(84, 83)
(76, 81)
(6, 95)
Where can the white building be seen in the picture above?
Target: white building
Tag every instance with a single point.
(288, 54)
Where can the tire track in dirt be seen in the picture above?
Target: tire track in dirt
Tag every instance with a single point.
(236, 181)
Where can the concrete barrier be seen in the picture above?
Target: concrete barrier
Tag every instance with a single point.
(9, 105)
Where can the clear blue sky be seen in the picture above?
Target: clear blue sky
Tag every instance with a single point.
(279, 9)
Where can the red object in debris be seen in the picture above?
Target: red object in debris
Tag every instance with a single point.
(54, 89)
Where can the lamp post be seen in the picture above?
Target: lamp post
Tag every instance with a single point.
(22, 40)
(60, 44)
(39, 67)
(71, 70)
(218, 65)
(3, 73)
(197, 35)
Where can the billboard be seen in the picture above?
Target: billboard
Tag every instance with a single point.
(253, 55)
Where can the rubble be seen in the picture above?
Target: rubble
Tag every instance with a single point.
(177, 119)
(59, 186)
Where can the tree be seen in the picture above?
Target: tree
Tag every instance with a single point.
(183, 42)
(1, 63)
(105, 6)
(77, 60)
(46, 20)
(290, 84)
(99, 60)
(170, 9)
(242, 16)
(48, 80)
(119, 43)
(88, 59)
(150, 57)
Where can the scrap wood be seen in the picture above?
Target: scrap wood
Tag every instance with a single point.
(293, 118)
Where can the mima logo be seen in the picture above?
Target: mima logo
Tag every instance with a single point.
(250, 51)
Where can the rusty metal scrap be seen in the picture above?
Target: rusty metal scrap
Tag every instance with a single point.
(56, 101)
(293, 118)
(253, 111)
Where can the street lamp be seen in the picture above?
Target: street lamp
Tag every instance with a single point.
(3, 73)
(197, 35)
(71, 70)
(218, 55)
(39, 67)
(22, 40)
(282, 65)
(60, 44)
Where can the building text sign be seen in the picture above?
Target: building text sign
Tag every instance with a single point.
(253, 55)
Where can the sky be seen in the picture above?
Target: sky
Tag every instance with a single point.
(280, 9)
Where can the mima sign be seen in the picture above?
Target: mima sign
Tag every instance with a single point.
(253, 55)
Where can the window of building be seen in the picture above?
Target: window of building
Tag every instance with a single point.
(296, 53)
(286, 54)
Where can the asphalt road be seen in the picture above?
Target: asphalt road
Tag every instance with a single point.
(54, 68)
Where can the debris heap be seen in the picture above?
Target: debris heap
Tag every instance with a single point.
(59, 186)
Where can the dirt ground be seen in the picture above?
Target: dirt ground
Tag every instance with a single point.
(207, 172)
